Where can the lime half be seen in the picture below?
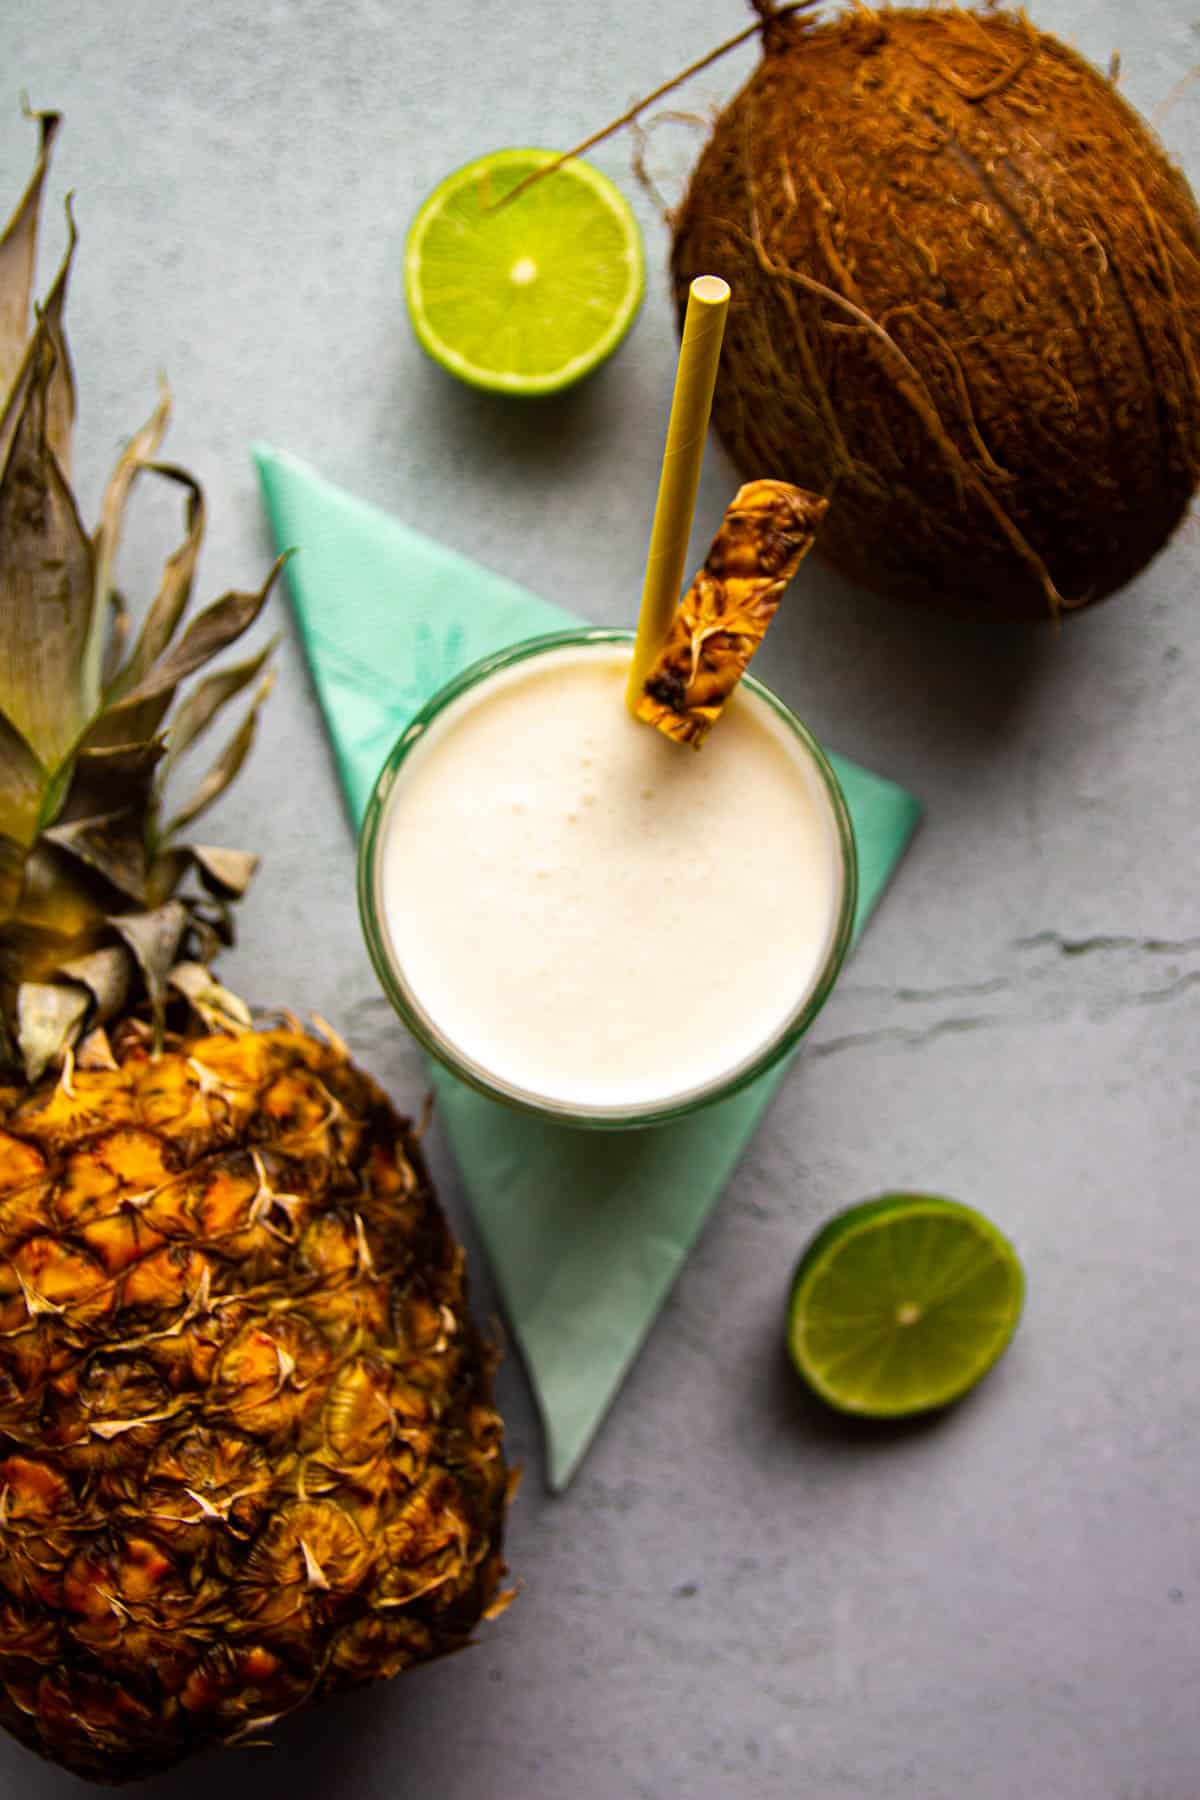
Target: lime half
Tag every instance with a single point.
(529, 297)
(901, 1304)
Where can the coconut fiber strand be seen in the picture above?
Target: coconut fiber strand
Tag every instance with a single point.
(967, 286)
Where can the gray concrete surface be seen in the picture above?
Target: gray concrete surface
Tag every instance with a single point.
(738, 1597)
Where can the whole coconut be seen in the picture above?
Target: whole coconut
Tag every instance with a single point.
(966, 304)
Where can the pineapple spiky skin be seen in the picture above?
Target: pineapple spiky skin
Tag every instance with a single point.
(248, 1448)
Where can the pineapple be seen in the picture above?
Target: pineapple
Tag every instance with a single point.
(768, 529)
(248, 1448)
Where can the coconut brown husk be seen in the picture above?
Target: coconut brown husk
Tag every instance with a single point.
(966, 305)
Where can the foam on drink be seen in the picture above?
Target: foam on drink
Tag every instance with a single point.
(590, 914)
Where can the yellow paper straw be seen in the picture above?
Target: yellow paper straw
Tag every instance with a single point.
(691, 403)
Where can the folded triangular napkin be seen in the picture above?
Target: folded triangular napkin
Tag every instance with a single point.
(586, 1231)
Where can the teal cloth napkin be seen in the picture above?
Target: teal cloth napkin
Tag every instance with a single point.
(586, 1231)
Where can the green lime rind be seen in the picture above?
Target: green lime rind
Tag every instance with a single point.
(899, 1305)
(528, 299)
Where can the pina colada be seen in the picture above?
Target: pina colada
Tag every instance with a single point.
(580, 915)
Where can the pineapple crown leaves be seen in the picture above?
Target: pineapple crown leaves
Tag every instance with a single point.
(91, 916)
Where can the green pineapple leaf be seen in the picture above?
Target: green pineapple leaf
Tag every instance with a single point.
(175, 588)
(22, 783)
(118, 638)
(206, 700)
(142, 444)
(226, 765)
(18, 255)
(45, 583)
(49, 1018)
(207, 635)
(112, 844)
(49, 342)
(154, 938)
(225, 872)
(112, 777)
(60, 398)
(106, 974)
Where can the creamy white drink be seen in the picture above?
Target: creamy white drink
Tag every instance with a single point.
(591, 916)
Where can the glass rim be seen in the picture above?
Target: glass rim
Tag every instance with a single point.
(485, 1081)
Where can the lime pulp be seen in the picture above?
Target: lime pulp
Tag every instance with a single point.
(528, 297)
(901, 1304)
